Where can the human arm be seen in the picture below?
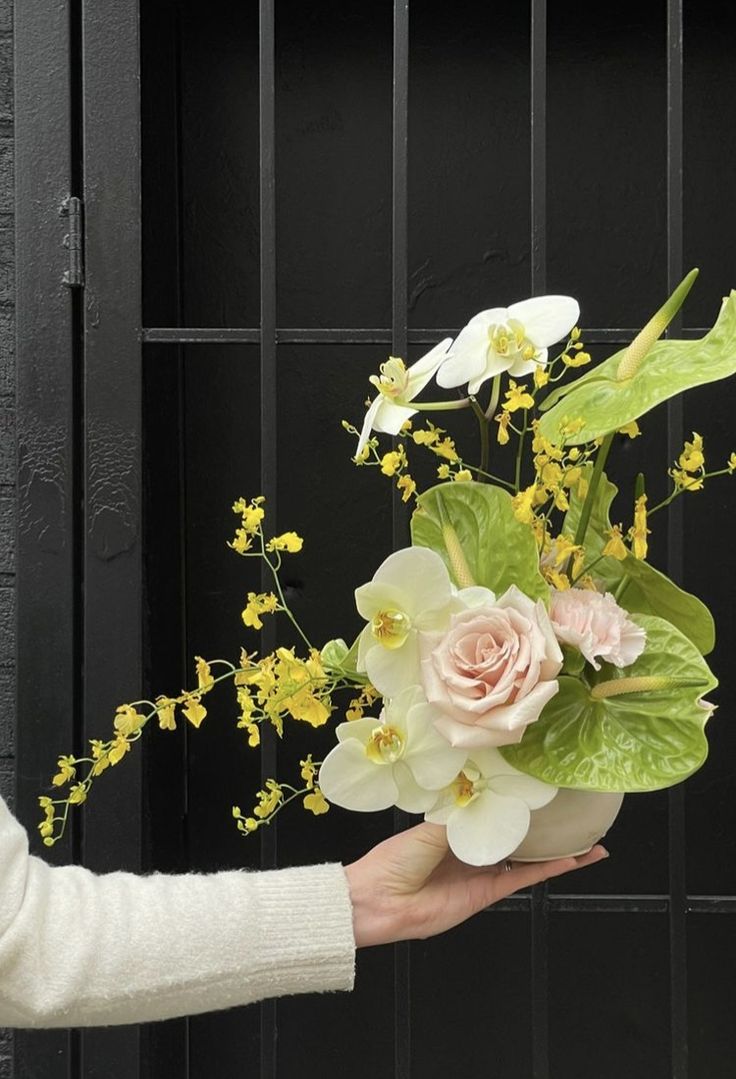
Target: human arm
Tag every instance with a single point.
(77, 949)
(411, 886)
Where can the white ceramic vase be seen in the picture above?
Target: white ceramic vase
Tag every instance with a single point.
(569, 825)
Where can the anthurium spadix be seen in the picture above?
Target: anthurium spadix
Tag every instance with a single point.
(397, 386)
(410, 592)
(513, 339)
(487, 808)
(398, 759)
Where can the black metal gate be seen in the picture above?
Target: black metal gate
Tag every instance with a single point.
(271, 196)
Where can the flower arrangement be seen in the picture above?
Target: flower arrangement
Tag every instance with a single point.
(522, 644)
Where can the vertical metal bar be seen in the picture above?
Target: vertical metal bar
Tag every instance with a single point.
(399, 516)
(112, 496)
(269, 430)
(46, 702)
(539, 145)
(675, 541)
(540, 906)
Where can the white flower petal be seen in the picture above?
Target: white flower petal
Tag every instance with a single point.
(411, 798)
(421, 372)
(391, 669)
(494, 365)
(488, 829)
(350, 779)
(359, 729)
(475, 596)
(442, 809)
(546, 319)
(531, 791)
(526, 367)
(390, 417)
(420, 575)
(467, 355)
(432, 761)
(378, 596)
(368, 424)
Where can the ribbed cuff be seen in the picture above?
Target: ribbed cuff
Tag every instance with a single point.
(306, 929)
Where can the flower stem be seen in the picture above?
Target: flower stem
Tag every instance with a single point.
(495, 394)
(440, 406)
(595, 480)
(483, 430)
(519, 454)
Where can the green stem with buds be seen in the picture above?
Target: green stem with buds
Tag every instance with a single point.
(595, 480)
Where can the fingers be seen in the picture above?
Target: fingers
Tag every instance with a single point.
(526, 876)
(417, 852)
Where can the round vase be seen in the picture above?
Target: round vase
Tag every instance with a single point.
(569, 825)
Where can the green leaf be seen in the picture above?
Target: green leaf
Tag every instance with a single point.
(670, 367)
(632, 742)
(637, 585)
(473, 528)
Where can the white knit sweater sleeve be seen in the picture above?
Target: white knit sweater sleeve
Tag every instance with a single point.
(78, 949)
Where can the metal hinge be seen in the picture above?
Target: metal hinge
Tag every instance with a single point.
(71, 207)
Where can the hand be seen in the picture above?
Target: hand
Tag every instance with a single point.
(411, 886)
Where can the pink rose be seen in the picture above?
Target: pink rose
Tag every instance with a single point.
(492, 672)
(596, 626)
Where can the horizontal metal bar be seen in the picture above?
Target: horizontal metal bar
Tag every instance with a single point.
(202, 335)
(618, 904)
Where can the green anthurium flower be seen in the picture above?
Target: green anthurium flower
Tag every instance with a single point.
(641, 376)
(473, 528)
(639, 728)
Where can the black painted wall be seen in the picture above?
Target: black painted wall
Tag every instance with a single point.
(7, 438)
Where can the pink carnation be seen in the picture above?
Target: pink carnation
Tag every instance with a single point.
(596, 626)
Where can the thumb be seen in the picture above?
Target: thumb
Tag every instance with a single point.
(417, 852)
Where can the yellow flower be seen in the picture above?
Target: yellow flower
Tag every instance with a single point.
(630, 429)
(640, 531)
(205, 680)
(578, 359)
(287, 541)
(393, 461)
(503, 419)
(541, 377)
(685, 482)
(427, 437)
(517, 397)
(572, 476)
(127, 720)
(194, 711)
(254, 735)
(100, 756)
(443, 472)
(571, 426)
(463, 476)
(252, 512)
(298, 683)
(446, 449)
(119, 748)
(268, 799)
(316, 802)
(263, 603)
(407, 486)
(558, 580)
(66, 771)
(406, 426)
(78, 794)
(561, 500)
(242, 541)
(732, 463)
(522, 505)
(615, 548)
(551, 475)
(692, 457)
(308, 770)
(562, 548)
(166, 719)
(575, 333)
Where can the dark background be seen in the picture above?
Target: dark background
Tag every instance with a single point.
(311, 236)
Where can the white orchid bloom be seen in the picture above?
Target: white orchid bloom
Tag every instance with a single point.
(487, 808)
(410, 591)
(398, 759)
(398, 384)
(513, 339)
